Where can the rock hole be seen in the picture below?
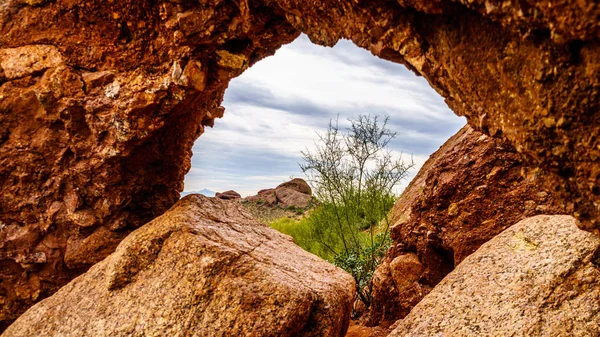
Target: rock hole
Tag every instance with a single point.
(4, 135)
(236, 46)
(124, 33)
(574, 48)
(274, 108)
(539, 35)
(67, 156)
(566, 172)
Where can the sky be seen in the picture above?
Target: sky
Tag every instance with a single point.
(275, 109)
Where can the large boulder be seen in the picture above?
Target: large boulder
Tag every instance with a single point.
(540, 277)
(228, 195)
(467, 192)
(298, 185)
(204, 268)
(294, 193)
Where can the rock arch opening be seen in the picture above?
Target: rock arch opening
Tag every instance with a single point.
(274, 109)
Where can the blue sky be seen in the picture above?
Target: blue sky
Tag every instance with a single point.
(273, 110)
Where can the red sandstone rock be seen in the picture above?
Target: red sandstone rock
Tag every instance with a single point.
(538, 278)
(228, 195)
(100, 103)
(294, 193)
(266, 196)
(287, 197)
(467, 192)
(297, 184)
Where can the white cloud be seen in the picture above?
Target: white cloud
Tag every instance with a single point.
(275, 107)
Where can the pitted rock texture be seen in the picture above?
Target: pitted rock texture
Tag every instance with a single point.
(100, 102)
(466, 193)
(204, 268)
(540, 277)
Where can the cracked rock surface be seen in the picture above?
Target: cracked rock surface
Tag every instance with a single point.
(540, 277)
(204, 268)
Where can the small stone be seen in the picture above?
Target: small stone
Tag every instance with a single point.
(33, 2)
(195, 77)
(83, 218)
(453, 209)
(176, 73)
(494, 172)
(112, 90)
(549, 122)
(97, 79)
(529, 205)
(22, 61)
(406, 269)
(178, 37)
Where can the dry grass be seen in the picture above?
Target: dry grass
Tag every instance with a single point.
(268, 214)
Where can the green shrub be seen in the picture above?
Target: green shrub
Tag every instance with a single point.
(361, 263)
(353, 175)
(301, 231)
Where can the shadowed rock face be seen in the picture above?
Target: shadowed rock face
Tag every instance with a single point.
(467, 192)
(100, 102)
(204, 268)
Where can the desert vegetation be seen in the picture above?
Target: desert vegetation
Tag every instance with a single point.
(353, 174)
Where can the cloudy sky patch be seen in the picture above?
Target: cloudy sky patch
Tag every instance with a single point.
(275, 108)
